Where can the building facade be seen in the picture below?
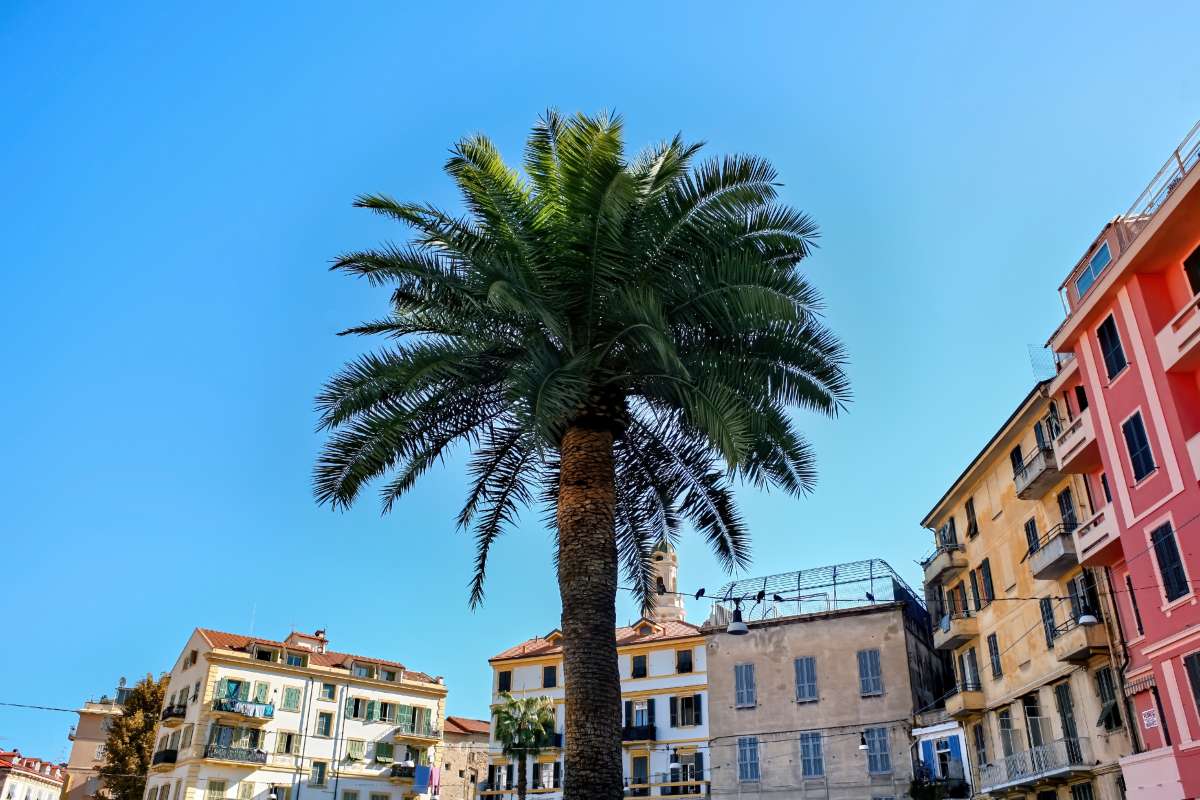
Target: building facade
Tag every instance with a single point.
(255, 719)
(1028, 627)
(87, 746)
(1129, 386)
(664, 693)
(465, 757)
(817, 700)
(25, 778)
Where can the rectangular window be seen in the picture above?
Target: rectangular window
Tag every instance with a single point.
(328, 691)
(355, 749)
(295, 660)
(1017, 459)
(325, 724)
(356, 708)
(683, 660)
(975, 589)
(972, 523)
(879, 756)
(1170, 564)
(1082, 791)
(387, 712)
(384, 752)
(387, 675)
(686, 711)
(1092, 270)
(1191, 664)
(287, 742)
(215, 790)
(362, 671)
(637, 666)
(1140, 456)
(1031, 535)
(504, 680)
(379, 796)
(1191, 269)
(291, 698)
(745, 692)
(1104, 486)
(1110, 710)
(245, 790)
(1137, 615)
(985, 572)
(349, 794)
(1048, 627)
(806, 679)
(317, 777)
(1110, 347)
(994, 655)
(870, 673)
(980, 737)
(811, 759)
(747, 758)
(549, 677)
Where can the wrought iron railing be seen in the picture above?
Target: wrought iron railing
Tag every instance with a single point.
(425, 729)
(1033, 466)
(164, 757)
(638, 733)
(227, 753)
(246, 708)
(174, 711)
(1064, 528)
(1036, 763)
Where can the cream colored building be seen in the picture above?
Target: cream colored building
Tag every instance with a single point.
(87, 746)
(817, 700)
(465, 757)
(1038, 691)
(25, 778)
(664, 692)
(256, 719)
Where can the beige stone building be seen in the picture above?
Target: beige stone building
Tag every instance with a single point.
(1038, 691)
(87, 745)
(818, 699)
(465, 757)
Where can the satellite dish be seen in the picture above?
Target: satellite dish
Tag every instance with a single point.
(121, 683)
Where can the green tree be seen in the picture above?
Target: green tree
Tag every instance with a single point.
(523, 728)
(615, 339)
(130, 741)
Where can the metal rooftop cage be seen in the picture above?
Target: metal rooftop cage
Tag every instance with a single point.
(855, 584)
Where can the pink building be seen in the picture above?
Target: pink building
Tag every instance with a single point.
(1129, 388)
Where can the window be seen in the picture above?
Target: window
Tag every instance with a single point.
(363, 671)
(641, 775)
(1091, 271)
(387, 712)
(980, 736)
(686, 711)
(549, 677)
(1017, 460)
(384, 752)
(745, 692)
(325, 724)
(985, 572)
(1110, 347)
(972, 523)
(264, 655)
(1104, 486)
(291, 698)
(245, 790)
(870, 675)
(287, 742)
(975, 589)
(1110, 711)
(185, 741)
(683, 660)
(1081, 398)
(1137, 615)
(1082, 791)
(387, 675)
(295, 660)
(1048, 627)
(1140, 456)
(504, 680)
(317, 777)
(812, 762)
(328, 691)
(994, 655)
(637, 667)
(216, 789)
(1170, 564)
(349, 794)
(1031, 534)
(355, 749)
(806, 679)
(379, 796)
(639, 713)
(262, 691)
(1191, 663)
(879, 757)
(748, 758)
(356, 708)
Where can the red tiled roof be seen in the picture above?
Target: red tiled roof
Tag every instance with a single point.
(11, 760)
(466, 725)
(330, 658)
(626, 636)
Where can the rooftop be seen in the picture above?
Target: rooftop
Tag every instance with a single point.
(466, 725)
(641, 632)
(13, 761)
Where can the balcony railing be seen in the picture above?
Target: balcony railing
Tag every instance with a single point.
(1059, 758)
(244, 708)
(245, 755)
(1097, 540)
(1039, 472)
(1054, 554)
(965, 700)
(638, 733)
(1076, 448)
(164, 757)
(174, 711)
(1179, 341)
(403, 771)
(955, 629)
(419, 730)
(945, 561)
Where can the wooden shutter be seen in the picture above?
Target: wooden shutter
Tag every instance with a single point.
(557, 774)
(650, 710)
(491, 776)
(508, 775)
(222, 689)
(697, 714)
(372, 711)
(628, 713)
(349, 706)
(674, 712)
(243, 690)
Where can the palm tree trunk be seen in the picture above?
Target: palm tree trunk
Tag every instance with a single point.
(587, 582)
(521, 775)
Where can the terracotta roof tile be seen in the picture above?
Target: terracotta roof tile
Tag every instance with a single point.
(466, 725)
(627, 635)
(330, 658)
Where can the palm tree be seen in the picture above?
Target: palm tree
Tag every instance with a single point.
(523, 728)
(616, 340)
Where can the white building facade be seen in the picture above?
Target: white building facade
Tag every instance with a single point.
(24, 778)
(254, 719)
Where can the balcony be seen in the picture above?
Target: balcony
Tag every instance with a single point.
(402, 772)
(967, 701)
(1097, 541)
(418, 732)
(1055, 553)
(239, 755)
(1060, 760)
(1039, 472)
(638, 733)
(163, 758)
(555, 741)
(946, 562)
(173, 715)
(1075, 643)
(244, 711)
(1076, 449)
(1193, 449)
(1179, 341)
(955, 630)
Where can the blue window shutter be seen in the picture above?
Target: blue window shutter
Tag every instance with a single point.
(927, 756)
(955, 749)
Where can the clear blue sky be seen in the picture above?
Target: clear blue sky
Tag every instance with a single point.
(175, 181)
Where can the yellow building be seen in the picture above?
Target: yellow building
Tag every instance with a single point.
(664, 692)
(1038, 688)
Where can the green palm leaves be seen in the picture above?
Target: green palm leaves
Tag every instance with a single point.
(653, 296)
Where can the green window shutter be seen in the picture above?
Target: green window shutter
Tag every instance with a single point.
(384, 751)
(280, 742)
(262, 691)
(405, 716)
(349, 706)
(222, 688)
(243, 690)
(372, 711)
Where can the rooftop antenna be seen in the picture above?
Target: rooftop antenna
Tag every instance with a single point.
(253, 614)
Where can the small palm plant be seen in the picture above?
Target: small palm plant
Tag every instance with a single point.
(614, 338)
(524, 727)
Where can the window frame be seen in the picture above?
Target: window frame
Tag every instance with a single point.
(878, 763)
(1112, 351)
(1185, 588)
(1138, 453)
(810, 670)
(503, 676)
(633, 665)
(745, 688)
(870, 685)
(690, 658)
(550, 671)
(812, 756)
(312, 773)
(747, 759)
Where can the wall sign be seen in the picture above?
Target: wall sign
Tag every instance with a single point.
(1150, 718)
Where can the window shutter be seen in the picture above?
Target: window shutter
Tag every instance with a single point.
(674, 712)
(927, 757)
(536, 778)
(650, 710)
(243, 690)
(557, 774)
(699, 716)
(349, 706)
(864, 682)
(699, 761)
(628, 713)
(508, 775)
(222, 688)
(372, 711)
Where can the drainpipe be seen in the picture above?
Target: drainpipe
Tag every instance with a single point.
(1134, 737)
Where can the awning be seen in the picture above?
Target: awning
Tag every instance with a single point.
(1143, 684)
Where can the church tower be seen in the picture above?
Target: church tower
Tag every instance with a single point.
(668, 606)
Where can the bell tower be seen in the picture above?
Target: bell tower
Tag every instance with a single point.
(668, 606)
